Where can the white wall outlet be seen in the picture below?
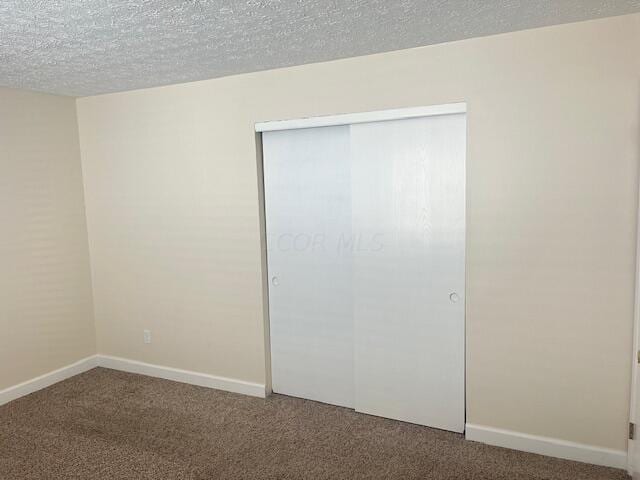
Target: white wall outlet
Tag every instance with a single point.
(147, 336)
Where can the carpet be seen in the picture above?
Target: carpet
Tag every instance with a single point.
(105, 424)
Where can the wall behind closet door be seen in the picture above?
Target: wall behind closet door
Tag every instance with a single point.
(172, 202)
(46, 312)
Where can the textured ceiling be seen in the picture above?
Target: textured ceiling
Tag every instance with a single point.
(85, 47)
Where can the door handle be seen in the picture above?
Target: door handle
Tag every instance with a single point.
(274, 281)
(454, 297)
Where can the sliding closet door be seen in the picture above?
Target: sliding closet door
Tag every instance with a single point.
(408, 180)
(308, 216)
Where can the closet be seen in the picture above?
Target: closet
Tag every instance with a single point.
(365, 223)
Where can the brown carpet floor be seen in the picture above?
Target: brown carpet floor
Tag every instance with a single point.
(105, 424)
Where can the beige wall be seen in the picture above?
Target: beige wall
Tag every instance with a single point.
(46, 312)
(172, 202)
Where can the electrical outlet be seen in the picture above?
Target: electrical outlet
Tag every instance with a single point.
(147, 336)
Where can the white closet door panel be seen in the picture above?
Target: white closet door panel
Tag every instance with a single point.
(308, 217)
(409, 269)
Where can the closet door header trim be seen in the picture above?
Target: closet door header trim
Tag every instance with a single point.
(361, 117)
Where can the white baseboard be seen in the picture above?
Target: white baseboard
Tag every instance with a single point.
(184, 376)
(46, 380)
(132, 366)
(551, 447)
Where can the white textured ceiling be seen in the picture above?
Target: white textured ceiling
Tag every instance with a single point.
(86, 47)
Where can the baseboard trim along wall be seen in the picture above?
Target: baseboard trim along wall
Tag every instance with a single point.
(184, 376)
(551, 447)
(131, 366)
(48, 379)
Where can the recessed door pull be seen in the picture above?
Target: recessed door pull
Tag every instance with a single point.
(454, 297)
